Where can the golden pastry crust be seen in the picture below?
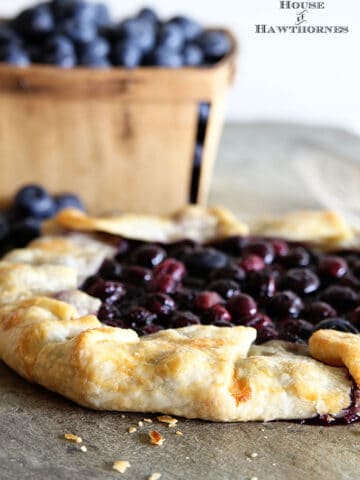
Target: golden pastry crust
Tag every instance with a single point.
(192, 222)
(326, 228)
(50, 335)
(196, 372)
(338, 349)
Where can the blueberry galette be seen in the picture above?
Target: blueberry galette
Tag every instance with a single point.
(191, 315)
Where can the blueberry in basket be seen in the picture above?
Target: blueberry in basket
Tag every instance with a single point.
(21, 221)
(69, 33)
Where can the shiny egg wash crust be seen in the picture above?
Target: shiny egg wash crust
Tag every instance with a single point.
(285, 290)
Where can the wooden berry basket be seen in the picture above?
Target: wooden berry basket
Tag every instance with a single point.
(123, 139)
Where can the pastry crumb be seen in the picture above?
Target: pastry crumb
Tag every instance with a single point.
(122, 415)
(178, 432)
(72, 438)
(121, 466)
(141, 424)
(156, 438)
(167, 419)
(83, 448)
(132, 429)
(253, 455)
(148, 420)
(154, 476)
(254, 478)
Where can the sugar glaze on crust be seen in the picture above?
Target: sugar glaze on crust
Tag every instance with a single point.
(50, 335)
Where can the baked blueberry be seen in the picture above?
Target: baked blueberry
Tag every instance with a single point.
(336, 324)
(262, 249)
(110, 270)
(148, 255)
(298, 330)
(252, 263)
(225, 287)
(136, 275)
(232, 272)
(314, 312)
(285, 303)
(333, 267)
(262, 283)
(215, 315)
(34, 201)
(206, 299)
(201, 261)
(301, 280)
(107, 291)
(160, 304)
(296, 257)
(341, 298)
(233, 245)
(184, 319)
(242, 306)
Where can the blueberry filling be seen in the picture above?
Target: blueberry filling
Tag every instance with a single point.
(284, 290)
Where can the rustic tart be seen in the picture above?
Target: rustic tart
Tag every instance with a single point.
(197, 315)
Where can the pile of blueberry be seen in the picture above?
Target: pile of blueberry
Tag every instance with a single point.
(21, 221)
(67, 33)
(285, 290)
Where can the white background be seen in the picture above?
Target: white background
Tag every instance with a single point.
(311, 78)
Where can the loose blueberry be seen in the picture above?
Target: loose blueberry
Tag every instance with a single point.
(149, 15)
(34, 201)
(68, 200)
(22, 232)
(58, 50)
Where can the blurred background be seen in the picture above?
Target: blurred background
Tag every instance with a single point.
(308, 78)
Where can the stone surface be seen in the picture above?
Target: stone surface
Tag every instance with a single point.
(33, 421)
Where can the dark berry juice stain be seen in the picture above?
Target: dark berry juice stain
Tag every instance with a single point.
(285, 290)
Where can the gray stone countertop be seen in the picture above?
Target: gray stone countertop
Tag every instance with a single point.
(252, 176)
